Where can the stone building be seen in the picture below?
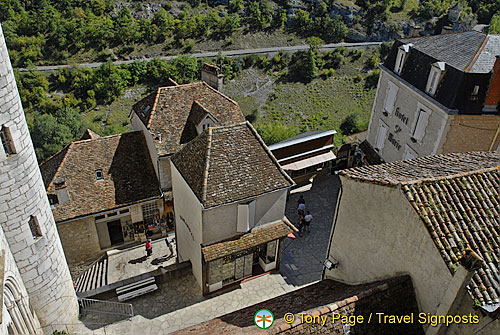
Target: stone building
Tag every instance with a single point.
(438, 94)
(434, 218)
(36, 287)
(103, 191)
(230, 217)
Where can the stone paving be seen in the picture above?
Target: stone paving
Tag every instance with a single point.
(302, 259)
(178, 303)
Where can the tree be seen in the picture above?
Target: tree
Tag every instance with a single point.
(274, 132)
(48, 135)
(495, 24)
(255, 18)
(236, 5)
(350, 125)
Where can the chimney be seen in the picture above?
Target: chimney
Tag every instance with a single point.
(212, 75)
(415, 30)
(493, 96)
(61, 191)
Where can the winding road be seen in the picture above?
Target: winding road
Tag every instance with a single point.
(229, 53)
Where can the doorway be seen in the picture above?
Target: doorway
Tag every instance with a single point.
(115, 232)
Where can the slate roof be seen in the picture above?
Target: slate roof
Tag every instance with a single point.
(227, 164)
(469, 51)
(167, 110)
(457, 197)
(257, 236)
(129, 176)
(394, 296)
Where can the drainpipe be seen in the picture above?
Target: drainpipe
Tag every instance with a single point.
(339, 197)
(494, 138)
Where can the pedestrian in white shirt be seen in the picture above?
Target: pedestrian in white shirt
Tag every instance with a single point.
(307, 221)
(301, 209)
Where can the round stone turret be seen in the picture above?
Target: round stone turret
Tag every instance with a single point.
(25, 213)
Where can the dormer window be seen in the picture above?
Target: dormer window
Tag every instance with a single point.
(7, 143)
(99, 175)
(401, 58)
(437, 71)
(475, 92)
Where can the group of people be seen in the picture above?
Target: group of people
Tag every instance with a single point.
(305, 218)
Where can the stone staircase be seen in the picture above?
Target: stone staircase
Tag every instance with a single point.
(94, 277)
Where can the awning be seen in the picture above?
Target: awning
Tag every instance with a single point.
(302, 164)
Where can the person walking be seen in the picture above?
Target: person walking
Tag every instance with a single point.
(301, 200)
(307, 221)
(301, 224)
(301, 209)
(149, 248)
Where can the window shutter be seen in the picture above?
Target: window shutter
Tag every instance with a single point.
(382, 132)
(243, 216)
(390, 98)
(423, 118)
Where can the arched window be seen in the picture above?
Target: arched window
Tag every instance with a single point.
(22, 320)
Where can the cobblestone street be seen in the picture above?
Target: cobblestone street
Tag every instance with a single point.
(302, 259)
(179, 303)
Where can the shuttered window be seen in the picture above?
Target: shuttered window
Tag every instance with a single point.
(420, 125)
(381, 134)
(390, 98)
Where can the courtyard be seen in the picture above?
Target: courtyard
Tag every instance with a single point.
(179, 303)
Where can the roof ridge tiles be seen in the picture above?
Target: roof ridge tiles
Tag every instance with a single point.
(60, 165)
(222, 94)
(477, 54)
(449, 177)
(207, 166)
(153, 108)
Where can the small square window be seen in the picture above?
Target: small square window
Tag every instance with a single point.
(99, 175)
(7, 143)
(34, 227)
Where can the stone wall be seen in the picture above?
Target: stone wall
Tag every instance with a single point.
(40, 260)
(80, 241)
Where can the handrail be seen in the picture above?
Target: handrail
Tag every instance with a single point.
(104, 306)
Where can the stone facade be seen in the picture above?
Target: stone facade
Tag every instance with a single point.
(40, 259)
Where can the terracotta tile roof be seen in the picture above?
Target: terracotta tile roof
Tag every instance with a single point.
(457, 197)
(463, 213)
(257, 236)
(167, 110)
(399, 172)
(129, 176)
(228, 164)
(394, 296)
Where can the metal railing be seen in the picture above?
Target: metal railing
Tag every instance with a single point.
(103, 306)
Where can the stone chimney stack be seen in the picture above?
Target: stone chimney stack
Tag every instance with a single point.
(38, 253)
(212, 75)
(415, 31)
(61, 191)
(493, 97)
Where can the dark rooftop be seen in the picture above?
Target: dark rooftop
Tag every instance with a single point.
(469, 51)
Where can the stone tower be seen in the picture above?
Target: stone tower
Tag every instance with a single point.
(25, 213)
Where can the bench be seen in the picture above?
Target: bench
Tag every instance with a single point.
(136, 289)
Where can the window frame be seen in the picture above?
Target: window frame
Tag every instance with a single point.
(97, 177)
(8, 146)
(381, 124)
(435, 75)
(34, 226)
(391, 87)
(420, 112)
(401, 58)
